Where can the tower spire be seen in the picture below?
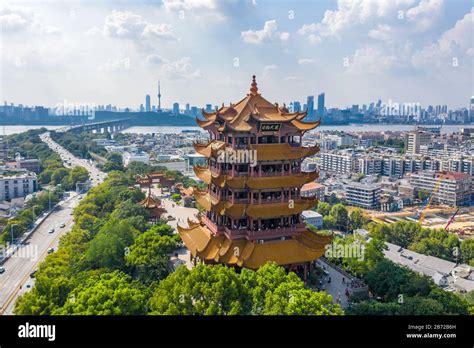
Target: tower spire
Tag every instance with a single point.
(253, 86)
(159, 96)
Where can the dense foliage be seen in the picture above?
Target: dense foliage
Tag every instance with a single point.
(80, 145)
(338, 217)
(433, 242)
(114, 262)
(220, 290)
(52, 172)
(398, 289)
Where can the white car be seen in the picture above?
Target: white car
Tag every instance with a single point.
(62, 225)
(2, 270)
(51, 230)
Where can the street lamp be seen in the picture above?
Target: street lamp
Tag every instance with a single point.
(58, 185)
(11, 231)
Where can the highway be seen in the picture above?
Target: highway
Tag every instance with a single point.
(16, 279)
(96, 175)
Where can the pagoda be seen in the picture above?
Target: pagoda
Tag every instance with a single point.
(253, 174)
(153, 207)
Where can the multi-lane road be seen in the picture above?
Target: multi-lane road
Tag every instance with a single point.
(96, 175)
(18, 268)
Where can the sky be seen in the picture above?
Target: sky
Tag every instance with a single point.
(205, 51)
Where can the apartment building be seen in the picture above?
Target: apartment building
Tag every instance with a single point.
(448, 188)
(363, 195)
(413, 141)
(370, 166)
(19, 185)
(339, 163)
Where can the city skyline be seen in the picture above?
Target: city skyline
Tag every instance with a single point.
(114, 52)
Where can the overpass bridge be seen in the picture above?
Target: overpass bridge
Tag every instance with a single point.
(110, 126)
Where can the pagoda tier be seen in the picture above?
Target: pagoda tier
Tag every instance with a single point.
(282, 179)
(299, 249)
(265, 152)
(252, 206)
(153, 207)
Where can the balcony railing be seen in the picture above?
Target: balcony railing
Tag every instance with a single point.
(236, 233)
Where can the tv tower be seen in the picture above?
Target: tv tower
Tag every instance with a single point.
(159, 96)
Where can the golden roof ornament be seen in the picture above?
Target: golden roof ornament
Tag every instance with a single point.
(253, 86)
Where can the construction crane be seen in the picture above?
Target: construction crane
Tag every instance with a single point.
(422, 213)
(452, 219)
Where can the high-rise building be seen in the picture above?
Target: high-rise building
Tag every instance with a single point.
(176, 108)
(471, 110)
(413, 141)
(208, 107)
(142, 108)
(159, 96)
(252, 205)
(310, 107)
(187, 111)
(321, 105)
(295, 106)
(147, 103)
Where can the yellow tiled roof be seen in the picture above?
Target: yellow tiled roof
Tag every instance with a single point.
(201, 243)
(263, 211)
(252, 107)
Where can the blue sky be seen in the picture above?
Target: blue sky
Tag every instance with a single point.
(205, 51)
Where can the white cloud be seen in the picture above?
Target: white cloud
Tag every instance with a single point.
(116, 64)
(269, 33)
(180, 5)
(371, 60)
(453, 43)
(155, 59)
(383, 32)
(303, 61)
(15, 18)
(128, 25)
(219, 9)
(421, 14)
(93, 31)
(425, 13)
(180, 69)
(267, 71)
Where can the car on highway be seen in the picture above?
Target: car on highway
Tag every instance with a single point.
(32, 274)
(51, 230)
(50, 250)
(2, 269)
(62, 225)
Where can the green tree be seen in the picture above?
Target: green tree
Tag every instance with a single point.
(467, 251)
(176, 197)
(110, 245)
(110, 294)
(340, 215)
(323, 208)
(357, 219)
(423, 194)
(205, 290)
(148, 256)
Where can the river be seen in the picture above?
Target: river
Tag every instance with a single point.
(170, 129)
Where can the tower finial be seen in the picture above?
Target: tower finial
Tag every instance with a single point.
(253, 86)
